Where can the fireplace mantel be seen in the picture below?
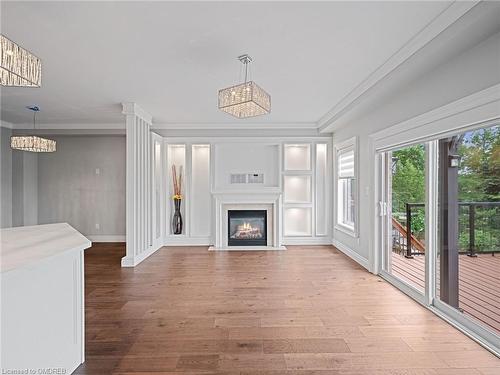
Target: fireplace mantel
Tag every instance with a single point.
(269, 200)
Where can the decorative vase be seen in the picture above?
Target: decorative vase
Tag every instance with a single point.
(177, 218)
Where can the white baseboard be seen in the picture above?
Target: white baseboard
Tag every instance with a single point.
(181, 240)
(307, 241)
(351, 254)
(135, 260)
(106, 238)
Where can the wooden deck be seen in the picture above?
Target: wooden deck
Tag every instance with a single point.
(479, 281)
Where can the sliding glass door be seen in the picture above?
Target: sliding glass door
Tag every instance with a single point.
(405, 248)
(467, 258)
(439, 226)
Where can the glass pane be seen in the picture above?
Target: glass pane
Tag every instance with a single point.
(406, 259)
(247, 227)
(346, 208)
(468, 273)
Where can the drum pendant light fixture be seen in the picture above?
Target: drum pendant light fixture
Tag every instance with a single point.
(32, 143)
(18, 66)
(246, 99)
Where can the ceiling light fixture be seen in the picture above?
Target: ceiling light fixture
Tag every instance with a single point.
(32, 143)
(18, 67)
(246, 99)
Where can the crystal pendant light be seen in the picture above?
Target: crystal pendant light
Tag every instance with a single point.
(18, 67)
(246, 99)
(32, 143)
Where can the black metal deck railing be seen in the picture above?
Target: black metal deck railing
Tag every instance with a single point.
(478, 228)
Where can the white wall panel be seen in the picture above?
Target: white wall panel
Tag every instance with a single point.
(240, 157)
(200, 207)
(322, 190)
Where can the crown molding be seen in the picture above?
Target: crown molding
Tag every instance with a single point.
(5, 124)
(234, 125)
(435, 27)
(478, 108)
(71, 126)
(130, 108)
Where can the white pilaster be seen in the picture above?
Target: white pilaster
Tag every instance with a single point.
(138, 185)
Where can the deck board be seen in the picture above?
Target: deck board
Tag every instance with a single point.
(479, 280)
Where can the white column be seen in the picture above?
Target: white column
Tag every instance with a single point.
(138, 185)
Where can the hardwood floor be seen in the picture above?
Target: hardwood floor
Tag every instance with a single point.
(308, 310)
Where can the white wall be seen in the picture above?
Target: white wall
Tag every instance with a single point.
(240, 157)
(473, 70)
(83, 184)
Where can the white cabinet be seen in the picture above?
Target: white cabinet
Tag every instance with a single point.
(42, 305)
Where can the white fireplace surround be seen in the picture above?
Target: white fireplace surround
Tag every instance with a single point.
(271, 202)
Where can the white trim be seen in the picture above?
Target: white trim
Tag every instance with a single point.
(130, 108)
(235, 125)
(350, 231)
(264, 140)
(8, 125)
(351, 253)
(435, 27)
(182, 240)
(431, 219)
(346, 145)
(71, 126)
(106, 237)
(317, 240)
(457, 116)
(407, 289)
(128, 261)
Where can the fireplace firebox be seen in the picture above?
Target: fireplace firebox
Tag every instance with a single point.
(247, 227)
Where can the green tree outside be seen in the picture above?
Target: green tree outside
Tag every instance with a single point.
(478, 181)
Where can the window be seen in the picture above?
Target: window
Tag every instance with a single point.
(346, 187)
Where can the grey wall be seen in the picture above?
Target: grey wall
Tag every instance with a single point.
(5, 178)
(24, 188)
(83, 183)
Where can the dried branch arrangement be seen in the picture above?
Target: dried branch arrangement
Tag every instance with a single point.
(177, 182)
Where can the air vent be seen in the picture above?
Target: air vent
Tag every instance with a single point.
(256, 178)
(247, 178)
(238, 178)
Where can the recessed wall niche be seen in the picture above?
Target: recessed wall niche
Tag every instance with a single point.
(297, 221)
(297, 157)
(176, 155)
(297, 189)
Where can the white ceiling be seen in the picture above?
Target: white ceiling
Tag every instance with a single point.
(171, 58)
